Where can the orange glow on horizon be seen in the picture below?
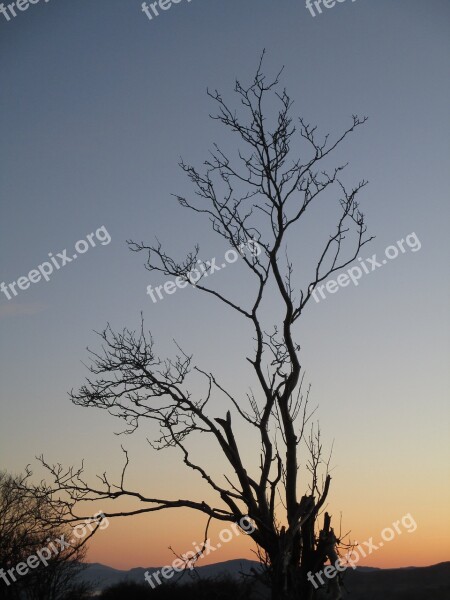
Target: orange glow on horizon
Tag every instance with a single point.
(144, 542)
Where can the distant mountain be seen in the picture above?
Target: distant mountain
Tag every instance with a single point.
(102, 576)
(411, 583)
(365, 583)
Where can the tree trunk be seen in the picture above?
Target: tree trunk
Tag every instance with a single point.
(294, 558)
(287, 581)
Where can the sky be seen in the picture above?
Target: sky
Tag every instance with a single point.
(98, 104)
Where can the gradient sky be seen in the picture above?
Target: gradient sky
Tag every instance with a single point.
(97, 105)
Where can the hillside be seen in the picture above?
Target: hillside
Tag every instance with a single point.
(413, 583)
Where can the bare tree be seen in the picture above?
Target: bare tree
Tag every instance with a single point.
(254, 200)
(27, 524)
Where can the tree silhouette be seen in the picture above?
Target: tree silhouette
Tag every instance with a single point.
(253, 201)
(27, 524)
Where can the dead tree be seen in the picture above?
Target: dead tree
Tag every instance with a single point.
(254, 200)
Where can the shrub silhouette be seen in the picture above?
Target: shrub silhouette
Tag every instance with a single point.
(220, 589)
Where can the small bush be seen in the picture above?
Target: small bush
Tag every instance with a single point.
(222, 589)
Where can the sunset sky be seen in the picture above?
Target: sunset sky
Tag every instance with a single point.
(98, 105)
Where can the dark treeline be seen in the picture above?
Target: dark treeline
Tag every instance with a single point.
(199, 590)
